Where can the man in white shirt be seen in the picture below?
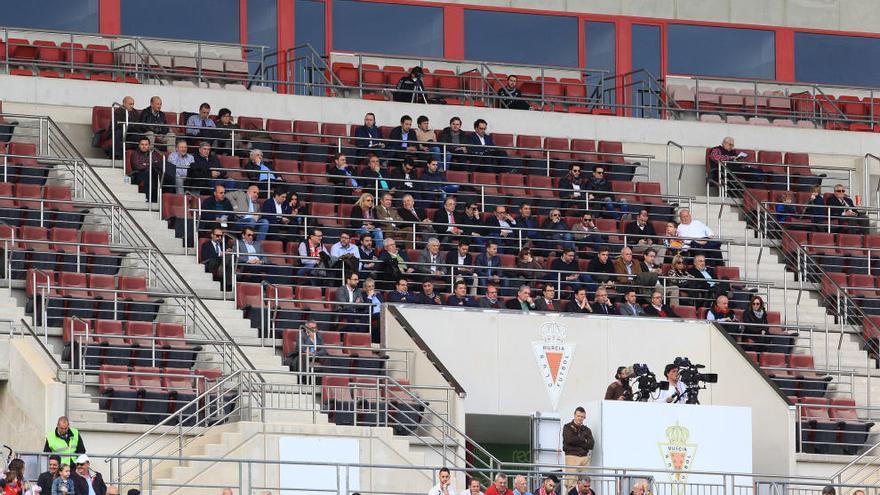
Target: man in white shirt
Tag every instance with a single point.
(473, 488)
(677, 392)
(444, 487)
(344, 247)
(699, 238)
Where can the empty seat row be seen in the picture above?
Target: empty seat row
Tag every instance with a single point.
(365, 401)
(147, 394)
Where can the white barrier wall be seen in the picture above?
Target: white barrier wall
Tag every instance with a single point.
(492, 355)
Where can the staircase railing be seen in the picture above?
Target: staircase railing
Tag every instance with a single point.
(860, 469)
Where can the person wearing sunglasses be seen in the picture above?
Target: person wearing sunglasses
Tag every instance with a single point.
(755, 326)
(599, 193)
(850, 220)
(211, 255)
(556, 233)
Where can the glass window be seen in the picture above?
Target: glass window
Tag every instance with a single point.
(520, 38)
(832, 59)
(645, 58)
(309, 24)
(202, 20)
(69, 15)
(600, 52)
(262, 29)
(721, 52)
(387, 28)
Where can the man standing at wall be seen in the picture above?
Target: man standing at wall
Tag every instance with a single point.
(577, 443)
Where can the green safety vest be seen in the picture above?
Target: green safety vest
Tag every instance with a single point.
(59, 447)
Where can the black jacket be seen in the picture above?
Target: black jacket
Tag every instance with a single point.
(407, 90)
(635, 234)
(446, 137)
(441, 220)
(80, 484)
(397, 135)
(577, 440)
(153, 122)
(651, 311)
(199, 172)
(45, 481)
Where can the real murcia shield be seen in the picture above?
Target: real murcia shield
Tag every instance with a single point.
(553, 356)
(678, 455)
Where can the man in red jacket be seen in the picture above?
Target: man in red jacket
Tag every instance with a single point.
(499, 487)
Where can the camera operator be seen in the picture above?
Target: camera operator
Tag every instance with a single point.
(677, 391)
(620, 388)
(410, 88)
(577, 444)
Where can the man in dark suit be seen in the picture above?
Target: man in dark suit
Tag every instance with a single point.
(404, 139)
(528, 222)
(483, 151)
(367, 138)
(84, 478)
(403, 177)
(401, 293)
(276, 211)
(429, 296)
(260, 172)
(212, 254)
(523, 300)
(602, 305)
(217, 211)
(491, 300)
(842, 208)
(579, 303)
(311, 346)
(547, 301)
(153, 126)
(658, 308)
(348, 299)
(640, 235)
(456, 146)
(488, 266)
(459, 297)
(705, 286)
(447, 222)
(500, 228)
(375, 178)
(430, 262)
(347, 187)
(460, 262)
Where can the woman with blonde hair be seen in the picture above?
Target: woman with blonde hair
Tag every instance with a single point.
(363, 218)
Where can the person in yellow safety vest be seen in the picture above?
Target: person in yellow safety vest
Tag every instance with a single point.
(64, 441)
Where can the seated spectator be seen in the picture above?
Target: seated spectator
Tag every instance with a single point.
(499, 228)
(435, 184)
(572, 187)
(785, 210)
(276, 212)
(344, 254)
(447, 222)
(547, 301)
(206, 171)
(260, 172)
(224, 131)
(816, 210)
(472, 224)
(658, 308)
(403, 140)
(375, 178)
(599, 193)
(349, 301)
(582, 487)
(579, 302)
(510, 95)
(461, 263)
(413, 216)
(311, 345)
(841, 207)
(401, 292)
(556, 233)
(456, 146)
(528, 269)
(671, 246)
(483, 152)
(698, 238)
(755, 327)
(677, 278)
(491, 300)
(411, 88)
(199, 126)
(430, 262)
(372, 296)
(248, 211)
(125, 116)
(566, 272)
(428, 295)
(725, 152)
(601, 304)
(601, 269)
(363, 218)
(394, 262)
(640, 233)
(632, 273)
(586, 232)
(145, 161)
(528, 224)
(629, 306)
(212, 256)
(367, 138)
(217, 211)
(722, 313)
(390, 221)
(152, 125)
(460, 297)
(705, 284)
(368, 254)
(523, 300)
(651, 268)
(178, 162)
(403, 178)
(346, 185)
(252, 261)
(298, 210)
(427, 141)
(489, 267)
(314, 259)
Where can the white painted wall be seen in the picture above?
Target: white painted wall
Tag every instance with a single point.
(490, 354)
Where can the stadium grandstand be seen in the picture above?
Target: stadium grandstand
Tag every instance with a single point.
(395, 248)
